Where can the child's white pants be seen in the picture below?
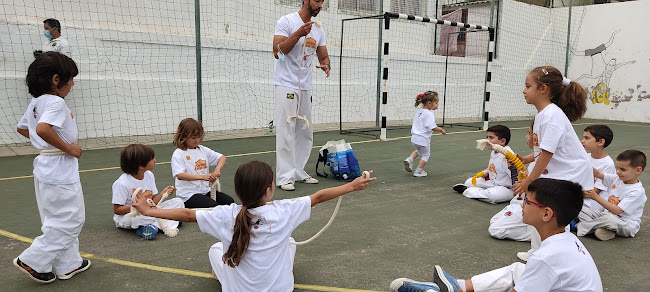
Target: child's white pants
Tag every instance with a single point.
(292, 142)
(423, 150)
(487, 191)
(216, 257)
(507, 224)
(499, 280)
(63, 214)
(126, 222)
(591, 220)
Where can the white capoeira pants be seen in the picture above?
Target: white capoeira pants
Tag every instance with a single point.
(423, 150)
(216, 254)
(292, 142)
(591, 220)
(507, 224)
(499, 280)
(487, 191)
(63, 214)
(126, 222)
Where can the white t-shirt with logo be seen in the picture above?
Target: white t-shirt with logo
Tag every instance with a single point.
(424, 121)
(632, 198)
(60, 45)
(285, 73)
(498, 169)
(266, 264)
(52, 110)
(562, 263)
(554, 133)
(605, 165)
(124, 185)
(193, 161)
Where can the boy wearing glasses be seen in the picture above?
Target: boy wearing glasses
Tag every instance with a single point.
(562, 263)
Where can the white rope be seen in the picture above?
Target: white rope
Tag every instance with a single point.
(171, 232)
(51, 152)
(214, 188)
(305, 125)
(366, 174)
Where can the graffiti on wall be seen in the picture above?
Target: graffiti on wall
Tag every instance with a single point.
(600, 75)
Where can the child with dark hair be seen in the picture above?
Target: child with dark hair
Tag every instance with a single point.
(137, 161)
(254, 253)
(562, 263)
(595, 139)
(51, 127)
(624, 206)
(495, 186)
(191, 167)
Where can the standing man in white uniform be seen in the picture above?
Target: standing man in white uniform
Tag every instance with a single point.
(297, 39)
(56, 43)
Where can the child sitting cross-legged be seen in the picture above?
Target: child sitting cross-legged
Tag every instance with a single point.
(624, 206)
(137, 161)
(496, 184)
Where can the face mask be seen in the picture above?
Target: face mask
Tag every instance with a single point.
(47, 34)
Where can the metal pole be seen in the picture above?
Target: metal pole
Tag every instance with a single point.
(568, 39)
(379, 55)
(435, 30)
(199, 86)
(444, 90)
(341, 81)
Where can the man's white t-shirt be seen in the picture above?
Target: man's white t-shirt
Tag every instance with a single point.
(605, 165)
(266, 264)
(193, 161)
(498, 169)
(52, 109)
(423, 123)
(562, 263)
(285, 73)
(124, 185)
(60, 45)
(554, 133)
(632, 198)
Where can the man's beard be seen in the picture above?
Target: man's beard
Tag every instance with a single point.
(313, 12)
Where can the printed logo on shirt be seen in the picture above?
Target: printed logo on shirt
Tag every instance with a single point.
(579, 248)
(545, 171)
(71, 116)
(187, 157)
(54, 44)
(34, 112)
(508, 213)
(290, 95)
(493, 169)
(200, 165)
(613, 186)
(256, 225)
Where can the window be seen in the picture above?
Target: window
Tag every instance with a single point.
(453, 40)
(359, 6)
(412, 7)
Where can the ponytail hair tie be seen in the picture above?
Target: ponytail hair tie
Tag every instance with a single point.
(421, 95)
(566, 81)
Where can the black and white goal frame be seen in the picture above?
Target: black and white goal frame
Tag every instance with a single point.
(384, 56)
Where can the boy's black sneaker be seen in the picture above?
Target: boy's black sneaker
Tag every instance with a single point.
(36, 276)
(85, 264)
(460, 188)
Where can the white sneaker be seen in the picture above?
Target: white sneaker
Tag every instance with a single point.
(523, 255)
(420, 173)
(288, 187)
(408, 165)
(310, 180)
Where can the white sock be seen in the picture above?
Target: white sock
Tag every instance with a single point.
(409, 159)
(418, 169)
(461, 284)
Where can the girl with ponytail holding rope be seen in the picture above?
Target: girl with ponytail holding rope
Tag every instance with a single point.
(255, 253)
(557, 150)
(424, 123)
(51, 127)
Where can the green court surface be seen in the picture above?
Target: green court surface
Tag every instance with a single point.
(401, 226)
